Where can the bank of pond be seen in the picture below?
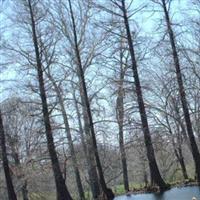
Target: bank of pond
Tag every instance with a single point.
(176, 193)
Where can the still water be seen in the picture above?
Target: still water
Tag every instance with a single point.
(183, 193)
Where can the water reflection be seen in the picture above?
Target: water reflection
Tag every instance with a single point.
(184, 193)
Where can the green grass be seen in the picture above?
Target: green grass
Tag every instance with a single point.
(119, 189)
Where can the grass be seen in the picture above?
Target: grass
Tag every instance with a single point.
(42, 196)
(119, 189)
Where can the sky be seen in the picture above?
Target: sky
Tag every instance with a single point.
(147, 20)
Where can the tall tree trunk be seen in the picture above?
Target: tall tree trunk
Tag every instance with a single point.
(155, 173)
(93, 175)
(61, 188)
(123, 160)
(107, 192)
(9, 184)
(69, 138)
(145, 179)
(194, 147)
(88, 149)
(120, 120)
(73, 154)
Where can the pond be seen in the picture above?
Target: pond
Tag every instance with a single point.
(183, 193)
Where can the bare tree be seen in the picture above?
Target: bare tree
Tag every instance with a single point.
(155, 173)
(88, 148)
(107, 192)
(59, 93)
(182, 93)
(10, 187)
(120, 116)
(31, 9)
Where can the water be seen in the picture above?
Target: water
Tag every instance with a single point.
(183, 193)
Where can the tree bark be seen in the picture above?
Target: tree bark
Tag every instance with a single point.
(194, 147)
(9, 184)
(155, 173)
(61, 188)
(107, 192)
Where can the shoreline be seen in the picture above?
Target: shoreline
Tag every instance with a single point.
(155, 189)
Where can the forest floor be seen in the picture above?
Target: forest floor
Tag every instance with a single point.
(118, 190)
